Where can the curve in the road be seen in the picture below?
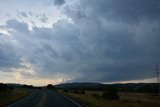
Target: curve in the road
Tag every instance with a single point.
(30, 101)
(21, 100)
(45, 98)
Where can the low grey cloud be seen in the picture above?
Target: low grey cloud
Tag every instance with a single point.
(44, 18)
(8, 55)
(22, 14)
(107, 41)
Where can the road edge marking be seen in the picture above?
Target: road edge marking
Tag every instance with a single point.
(70, 99)
(21, 99)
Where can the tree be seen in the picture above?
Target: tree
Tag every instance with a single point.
(3, 86)
(10, 88)
(49, 86)
(27, 86)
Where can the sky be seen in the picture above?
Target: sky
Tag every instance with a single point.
(58, 41)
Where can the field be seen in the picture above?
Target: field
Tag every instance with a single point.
(126, 99)
(14, 95)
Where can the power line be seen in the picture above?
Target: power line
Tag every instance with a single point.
(157, 72)
(156, 69)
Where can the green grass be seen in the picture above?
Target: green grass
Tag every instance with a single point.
(126, 100)
(7, 98)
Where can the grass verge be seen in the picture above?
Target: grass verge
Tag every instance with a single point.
(15, 95)
(126, 99)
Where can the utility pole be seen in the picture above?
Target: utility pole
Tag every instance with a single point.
(157, 72)
(157, 75)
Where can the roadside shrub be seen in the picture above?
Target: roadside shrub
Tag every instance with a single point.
(126, 101)
(75, 91)
(111, 94)
(3, 86)
(138, 101)
(10, 88)
(79, 92)
(83, 92)
(96, 95)
(49, 86)
(65, 90)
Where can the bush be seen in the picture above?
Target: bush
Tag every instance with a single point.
(3, 86)
(27, 86)
(65, 90)
(126, 101)
(138, 101)
(79, 92)
(111, 94)
(96, 95)
(51, 87)
(83, 92)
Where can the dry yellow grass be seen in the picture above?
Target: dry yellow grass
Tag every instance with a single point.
(126, 100)
(7, 98)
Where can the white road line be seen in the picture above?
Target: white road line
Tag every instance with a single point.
(69, 99)
(42, 101)
(20, 100)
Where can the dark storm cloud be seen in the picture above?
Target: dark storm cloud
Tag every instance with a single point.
(22, 14)
(8, 56)
(129, 11)
(107, 40)
(123, 34)
(59, 2)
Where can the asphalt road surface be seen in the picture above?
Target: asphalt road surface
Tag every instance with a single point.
(45, 98)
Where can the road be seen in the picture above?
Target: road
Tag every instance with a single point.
(45, 98)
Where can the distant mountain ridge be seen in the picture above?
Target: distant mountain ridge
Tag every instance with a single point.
(127, 87)
(14, 84)
(80, 85)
